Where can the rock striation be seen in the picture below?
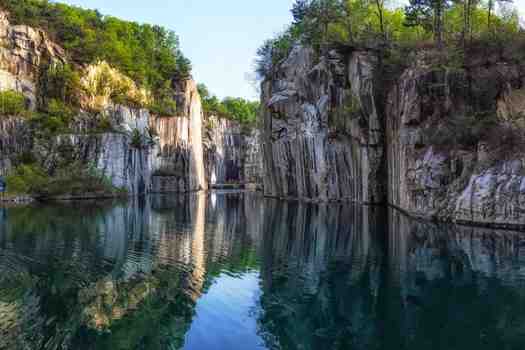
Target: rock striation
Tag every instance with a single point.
(224, 144)
(480, 183)
(233, 154)
(434, 141)
(167, 157)
(323, 136)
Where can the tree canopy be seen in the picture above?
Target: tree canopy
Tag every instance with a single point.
(329, 23)
(148, 54)
(234, 108)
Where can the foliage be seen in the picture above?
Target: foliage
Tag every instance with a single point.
(12, 103)
(324, 24)
(136, 139)
(53, 119)
(59, 82)
(164, 104)
(234, 108)
(73, 179)
(27, 179)
(150, 55)
(103, 84)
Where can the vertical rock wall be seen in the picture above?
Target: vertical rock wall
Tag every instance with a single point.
(471, 183)
(225, 146)
(323, 135)
(179, 164)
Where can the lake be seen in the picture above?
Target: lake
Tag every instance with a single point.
(234, 270)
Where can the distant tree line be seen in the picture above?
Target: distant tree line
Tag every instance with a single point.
(323, 24)
(234, 108)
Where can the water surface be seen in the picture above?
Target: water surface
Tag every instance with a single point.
(236, 271)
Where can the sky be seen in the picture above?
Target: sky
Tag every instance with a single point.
(219, 37)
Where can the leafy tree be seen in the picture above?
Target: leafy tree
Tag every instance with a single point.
(234, 108)
(429, 14)
(12, 103)
(150, 55)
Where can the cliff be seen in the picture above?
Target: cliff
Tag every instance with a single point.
(232, 153)
(437, 141)
(440, 165)
(136, 150)
(323, 136)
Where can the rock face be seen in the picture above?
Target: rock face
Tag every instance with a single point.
(224, 151)
(333, 131)
(14, 141)
(323, 136)
(253, 160)
(167, 156)
(22, 50)
(480, 183)
(233, 154)
(179, 163)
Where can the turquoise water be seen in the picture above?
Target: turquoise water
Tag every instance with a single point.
(236, 271)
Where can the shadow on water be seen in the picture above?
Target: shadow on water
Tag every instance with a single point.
(146, 274)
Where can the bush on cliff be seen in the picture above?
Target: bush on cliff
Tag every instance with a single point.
(12, 103)
(26, 179)
(73, 179)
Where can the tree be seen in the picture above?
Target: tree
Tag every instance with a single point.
(429, 14)
(490, 10)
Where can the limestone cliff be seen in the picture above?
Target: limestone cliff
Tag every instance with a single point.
(168, 156)
(232, 153)
(22, 50)
(224, 145)
(323, 137)
(437, 141)
(481, 181)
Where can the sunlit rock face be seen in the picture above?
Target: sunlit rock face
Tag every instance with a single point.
(22, 50)
(481, 183)
(253, 160)
(336, 129)
(167, 156)
(178, 165)
(233, 153)
(313, 148)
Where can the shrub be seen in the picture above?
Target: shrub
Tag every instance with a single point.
(12, 103)
(136, 139)
(104, 124)
(54, 119)
(77, 179)
(165, 107)
(73, 179)
(59, 82)
(102, 84)
(27, 179)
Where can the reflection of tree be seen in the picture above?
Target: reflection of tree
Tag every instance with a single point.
(321, 272)
(338, 278)
(117, 275)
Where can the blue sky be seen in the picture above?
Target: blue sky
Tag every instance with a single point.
(220, 37)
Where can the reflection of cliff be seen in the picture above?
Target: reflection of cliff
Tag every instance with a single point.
(114, 275)
(338, 278)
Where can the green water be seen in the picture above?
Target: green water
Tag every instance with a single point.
(236, 271)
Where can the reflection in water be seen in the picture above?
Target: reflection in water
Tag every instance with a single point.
(236, 271)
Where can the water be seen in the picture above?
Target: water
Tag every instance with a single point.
(236, 271)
